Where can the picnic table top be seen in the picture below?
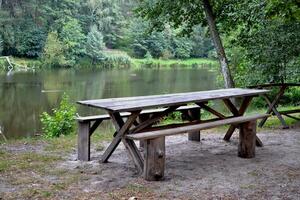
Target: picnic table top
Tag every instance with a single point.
(274, 85)
(145, 102)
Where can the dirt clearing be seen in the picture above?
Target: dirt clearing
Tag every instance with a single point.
(206, 170)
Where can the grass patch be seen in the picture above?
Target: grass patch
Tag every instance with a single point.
(26, 161)
(171, 62)
(62, 144)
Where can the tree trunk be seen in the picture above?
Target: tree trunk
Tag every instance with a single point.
(218, 44)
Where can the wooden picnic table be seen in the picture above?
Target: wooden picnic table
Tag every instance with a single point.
(274, 102)
(130, 129)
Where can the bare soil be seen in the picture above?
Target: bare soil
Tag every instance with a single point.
(210, 169)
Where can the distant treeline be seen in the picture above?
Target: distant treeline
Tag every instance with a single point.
(68, 32)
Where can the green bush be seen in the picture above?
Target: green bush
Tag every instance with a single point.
(61, 122)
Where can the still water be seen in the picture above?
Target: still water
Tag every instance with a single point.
(24, 96)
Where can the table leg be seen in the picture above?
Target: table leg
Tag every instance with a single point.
(154, 154)
(273, 104)
(121, 129)
(239, 112)
(194, 114)
(275, 111)
(140, 120)
(246, 148)
(236, 112)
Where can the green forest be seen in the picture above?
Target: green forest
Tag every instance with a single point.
(260, 38)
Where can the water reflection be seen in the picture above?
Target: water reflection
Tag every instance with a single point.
(24, 96)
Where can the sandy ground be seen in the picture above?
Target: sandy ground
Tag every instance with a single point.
(206, 170)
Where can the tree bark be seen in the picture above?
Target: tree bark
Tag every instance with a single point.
(218, 44)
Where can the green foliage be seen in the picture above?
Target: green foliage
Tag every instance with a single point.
(182, 48)
(166, 44)
(53, 55)
(116, 61)
(30, 41)
(95, 45)
(263, 42)
(201, 43)
(26, 27)
(1, 44)
(62, 121)
(73, 39)
(107, 15)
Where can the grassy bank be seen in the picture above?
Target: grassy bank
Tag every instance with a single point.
(114, 61)
(170, 62)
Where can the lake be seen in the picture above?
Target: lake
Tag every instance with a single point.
(25, 95)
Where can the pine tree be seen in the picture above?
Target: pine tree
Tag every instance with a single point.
(95, 45)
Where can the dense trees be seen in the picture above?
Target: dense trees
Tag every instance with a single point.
(83, 29)
(264, 36)
(261, 37)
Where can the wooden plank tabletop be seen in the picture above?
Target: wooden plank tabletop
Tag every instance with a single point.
(274, 85)
(154, 101)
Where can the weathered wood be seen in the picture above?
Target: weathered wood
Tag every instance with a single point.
(291, 116)
(154, 154)
(259, 142)
(138, 103)
(247, 139)
(196, 127)
(127, 114)
(231, 107)
(274, 103)
(194, 115)
(134, 154)
(95, 126)
(156, 117)
(283, 112)
(141, 119)
(212, 111)
(275, 111)
(83, 141)
(274, 84)
(121, 128)
(244, 106)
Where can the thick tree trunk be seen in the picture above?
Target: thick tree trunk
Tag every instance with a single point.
(218, 44)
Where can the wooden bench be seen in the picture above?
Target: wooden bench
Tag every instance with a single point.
(88, 124)
(154, 149)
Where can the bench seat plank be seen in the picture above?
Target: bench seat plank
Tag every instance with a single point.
(126, 114)
(289, 111)
(196, 127)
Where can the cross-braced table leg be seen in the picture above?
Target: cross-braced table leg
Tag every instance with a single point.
(238, 112)
(122, 128)
(272, 107)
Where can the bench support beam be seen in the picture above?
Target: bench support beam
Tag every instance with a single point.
(247, 139)
(154, 163)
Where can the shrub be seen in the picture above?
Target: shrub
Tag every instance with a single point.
(53, 55)
(61, 122)
(115, 61)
